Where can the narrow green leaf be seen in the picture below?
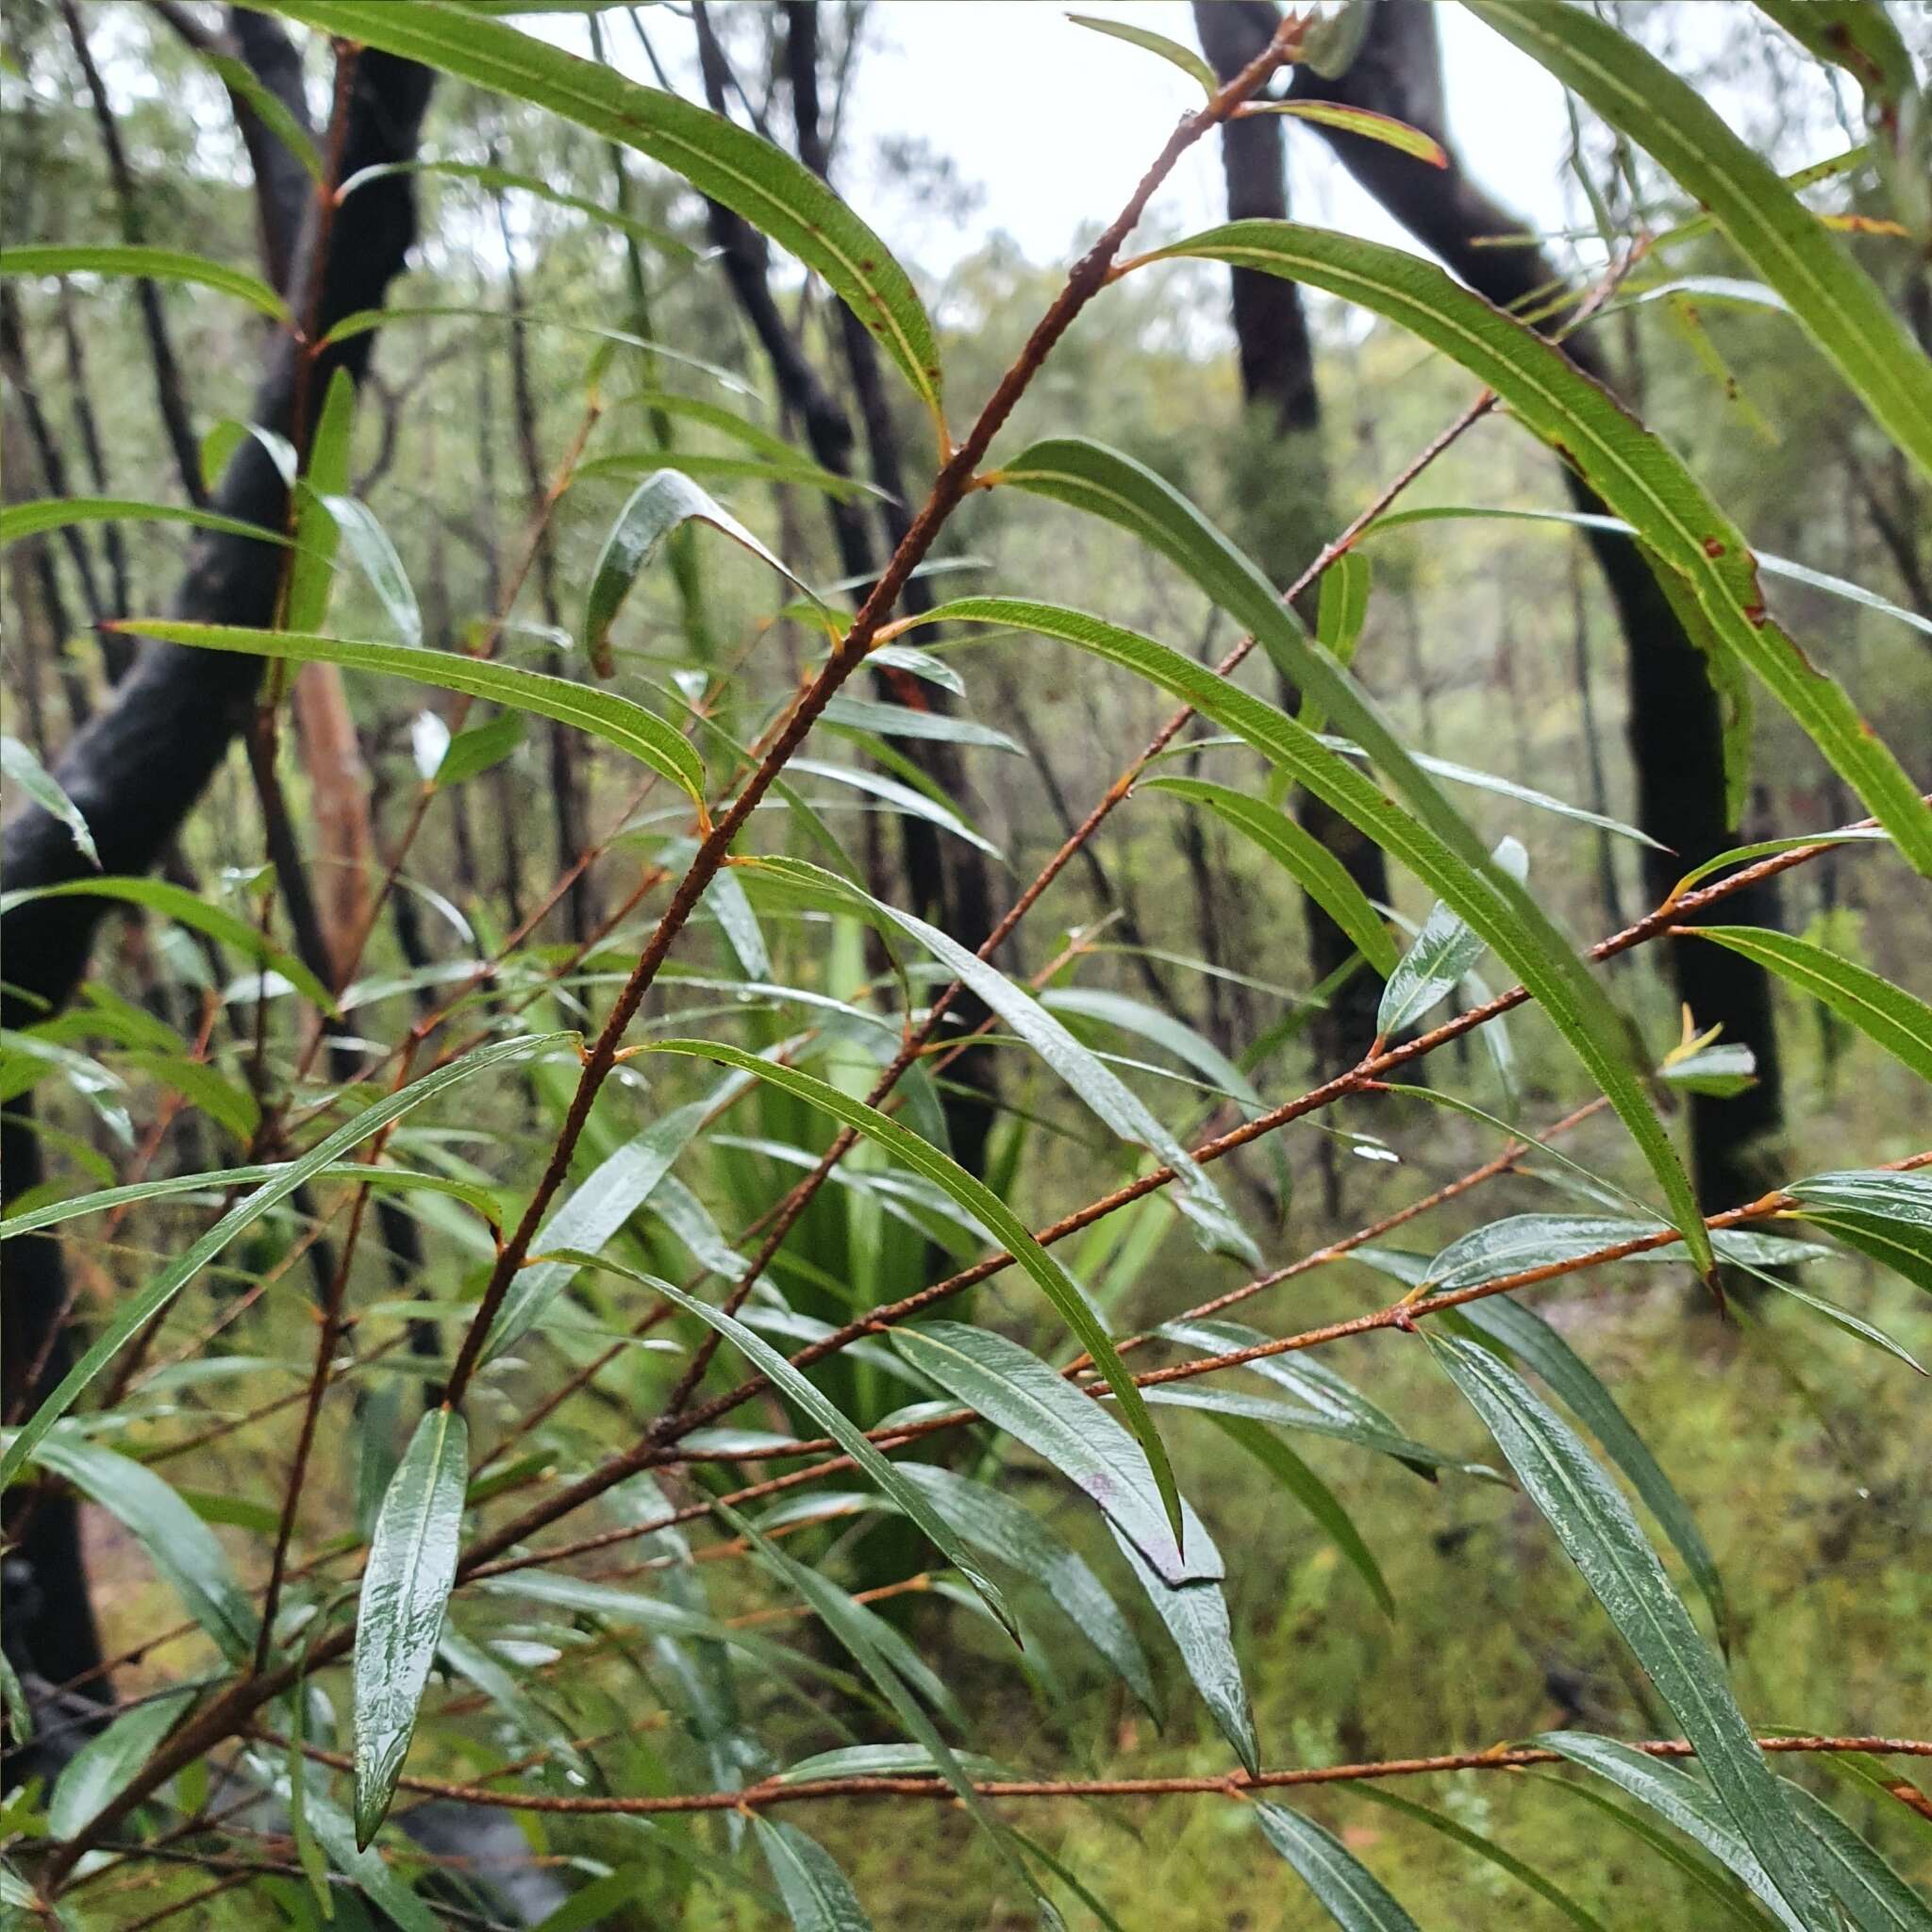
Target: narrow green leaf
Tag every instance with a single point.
(184, 1550)
(658, 505)
(1195, 1613)
(1332, 1404)
(1303, 856)
(1601, 1537)
(1484, 1848)
(1316, 1497)
(603, 715)
(215, 1181)
(1632, 470)
(472, 752)
(19, 766)
(1875, 1897)
(150, 264)
(1348, 1891)
(370, 546)
(525, 184)
(1901, 1024)
(856, 1630)
(712, 466)
(1719, 1889)
(1521, 1241)
(1685, 1803)
(1537, 1346)
(136, 1310)
(1766, 848)
(310, 578)
(902, 797)
(1010, 1533)
(986, 1207)
(1868, 1332)
(816, 1893)
(103, 1766)
(1840, 306)
(1072, 1433)
(367, 1870)
(748, 174)
(1486, 896)
(1114, 1104)
(1440, 959)
(1364, 122)
(593, 1214)
(878, 1760)
(904, 721)
(176, 901)
(413, 1568)
(1770, 565)
(1888, 1216)
(31, 519)
(796, 1387)
(1189, 62)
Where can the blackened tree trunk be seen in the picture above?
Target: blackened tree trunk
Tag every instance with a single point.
(138, 765)
(1283, 476)
(1675, 725)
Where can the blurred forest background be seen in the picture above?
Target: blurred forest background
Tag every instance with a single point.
(533, 356)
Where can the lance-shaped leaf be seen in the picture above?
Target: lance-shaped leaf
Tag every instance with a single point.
(1483, 1848)
(1189, 62)
(748, 174)
(907, 720)
(1537, 1346)
(472, 752)
(412, 1567)
(1303, 856)
(899, 797)
(176, 901)
(1901, 1024)
(1364, 122)
(991, 1213)
(370, 546)
(1010, 1533)
(1683, 1801)
(616, 720)
(160, 1186)
(817, 1894)
(1072, 1433)
(1522, 1241)
(103, 1766)
(1640, 479)
(1486, 896)
(1840, 305)
(19, 766)
(318, 532)
(1601, 1537)
(138, 1309)
(1195, 1613)
(1875, 1897)
(797, 1388)
(184, 1550)
(1888, 1216)
(608, 1198)
(150, 264)
(1349, 1892)
(1111, 1099)
(857, 1630)
(657, 507)
(1437, 963)
(525, 184)
(1315, 1496)
(40, 514)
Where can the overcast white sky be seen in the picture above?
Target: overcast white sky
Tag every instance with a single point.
(988, 83)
